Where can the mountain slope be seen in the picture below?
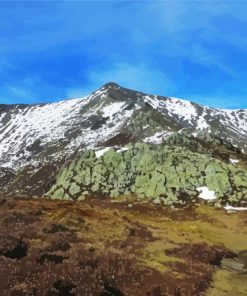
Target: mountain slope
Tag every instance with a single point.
(154, 172)
(30, 134)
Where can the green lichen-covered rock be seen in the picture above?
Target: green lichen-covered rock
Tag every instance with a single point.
(58, 193)
(74, 189)
(162, 173)
(217, 178)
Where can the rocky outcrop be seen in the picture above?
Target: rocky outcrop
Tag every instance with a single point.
(165, 174)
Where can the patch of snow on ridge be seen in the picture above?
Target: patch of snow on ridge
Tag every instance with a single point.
(229, 208)
(112, 127)
(154, 102)
(205, 193)
(201, 123)
(187, 111)
(183, 109)
(158, 137)
(101, 152)
(122, 149)
(112, 109)
(236, 118)
(234, 161)
(48, 122)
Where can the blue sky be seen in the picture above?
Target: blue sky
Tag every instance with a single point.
(53, 50)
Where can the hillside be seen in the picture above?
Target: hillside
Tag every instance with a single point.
(99, 248)
(39, 143)
(30, 134)
(123, 193)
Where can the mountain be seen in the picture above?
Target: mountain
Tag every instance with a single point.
(38, 141)
(136, 190)
(33, 133)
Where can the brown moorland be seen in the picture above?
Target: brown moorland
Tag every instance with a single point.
(101, 247)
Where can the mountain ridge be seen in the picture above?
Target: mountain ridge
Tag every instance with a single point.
(39, 142)
(92, 120)
(113, 84)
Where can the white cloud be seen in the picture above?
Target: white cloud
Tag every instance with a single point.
(138, 45)
(140, 77)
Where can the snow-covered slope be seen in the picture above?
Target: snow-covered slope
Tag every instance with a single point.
(30, 134)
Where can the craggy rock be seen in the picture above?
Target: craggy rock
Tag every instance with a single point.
(168, 175)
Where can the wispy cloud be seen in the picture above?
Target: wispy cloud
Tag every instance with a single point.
(178, 48)
(139, 76)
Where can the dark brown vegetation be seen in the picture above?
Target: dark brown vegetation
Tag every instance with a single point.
(120, 139)
(114, 248)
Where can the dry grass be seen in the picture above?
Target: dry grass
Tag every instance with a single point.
(110, 248)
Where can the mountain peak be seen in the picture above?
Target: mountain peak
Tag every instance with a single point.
(65, 126)
(110, 85)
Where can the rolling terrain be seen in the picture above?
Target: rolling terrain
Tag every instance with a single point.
(123, 193)
(97, 247)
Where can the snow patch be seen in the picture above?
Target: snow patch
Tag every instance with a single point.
(110, 110)
(154, 102)
(205, 193)
(157, 138)
(201, 123)
(122, 149)
(183, 109)
(101, 152)
(233, 161)
(235, 208)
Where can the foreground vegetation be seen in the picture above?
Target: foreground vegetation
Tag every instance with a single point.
(103, 247)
